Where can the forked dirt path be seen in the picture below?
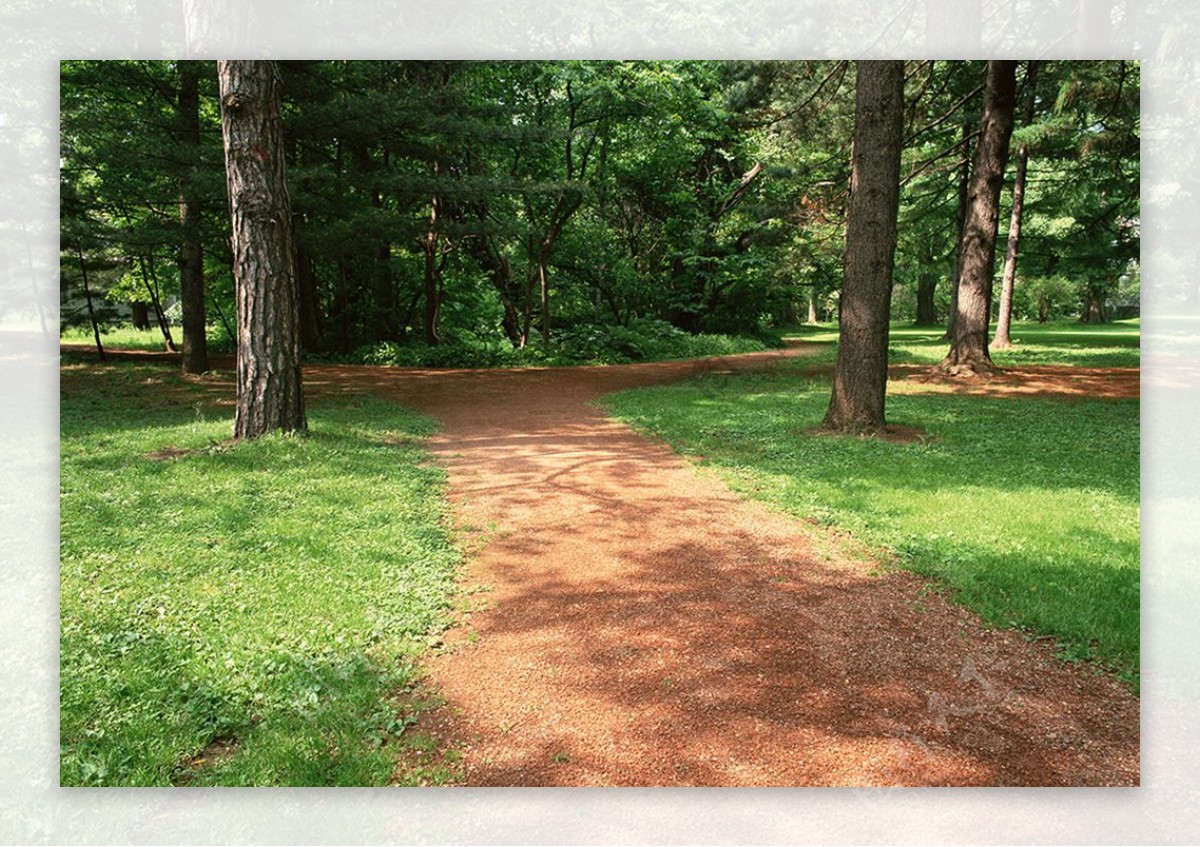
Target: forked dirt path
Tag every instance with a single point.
(642, 625)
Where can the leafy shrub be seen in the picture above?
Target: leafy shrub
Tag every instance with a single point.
(585, 344)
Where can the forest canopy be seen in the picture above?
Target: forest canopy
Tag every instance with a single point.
(531, 208)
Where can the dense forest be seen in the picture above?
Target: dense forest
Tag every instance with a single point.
(449, 212)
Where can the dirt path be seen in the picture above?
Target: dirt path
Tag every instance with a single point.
(644, 626)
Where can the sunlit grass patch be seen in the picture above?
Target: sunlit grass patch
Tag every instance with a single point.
(1027, 509)
(239, 614)
(1114, 345)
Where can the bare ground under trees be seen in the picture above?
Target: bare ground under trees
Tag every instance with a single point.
(636, 623)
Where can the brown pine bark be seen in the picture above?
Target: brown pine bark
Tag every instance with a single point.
(856, 405)
(269, 390)
(191, 249)
(969, 339)
(1002, 340)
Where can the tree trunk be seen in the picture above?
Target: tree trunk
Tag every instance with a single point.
(341, 303)
(544, 293)
(812, 305)
(433, 294)
(191, 248)
(926, 287)
(310, 312)
(139, 315)
(1094, 311)
(964, 196)
(969, 342)
(87, 296)
(150, 280)
(860, 379)
(269, 390)
(1001, 340)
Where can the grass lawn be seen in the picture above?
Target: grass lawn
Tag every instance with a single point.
(1027, 510)
(1113, 345)
(242, 614)
(125, 337)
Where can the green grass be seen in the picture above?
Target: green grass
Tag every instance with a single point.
(1113, 345)
(256, 605)
(125, 337)
(1026, 509)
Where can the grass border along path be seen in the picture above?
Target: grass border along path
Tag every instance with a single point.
(1026, 509)
(242, 614)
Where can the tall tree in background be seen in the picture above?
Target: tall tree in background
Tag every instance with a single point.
(191, 248)
(269, 391)
(860, 380)
(1001, 339)
(969, 338)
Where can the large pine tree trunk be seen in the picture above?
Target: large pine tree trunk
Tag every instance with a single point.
(969, 340)
(860, 380)
(1001, 340)
(191, 249)
(269, 393)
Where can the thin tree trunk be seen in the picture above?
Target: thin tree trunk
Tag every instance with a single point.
(150, 280)
(269, 390)
(969, 342)
(1002, 340)
(544, 294)
(341, 303)
(87, 296)
(224, 320)
(856, 404)
(310, 313)
(191, 249)
(812, 304)
(964, 196)
(429, 244)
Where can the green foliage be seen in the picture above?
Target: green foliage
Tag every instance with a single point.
(710, 195)
(1027, 510)
(259, 605)
(586, 344)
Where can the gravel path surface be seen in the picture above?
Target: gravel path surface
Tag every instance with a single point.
(639, 624)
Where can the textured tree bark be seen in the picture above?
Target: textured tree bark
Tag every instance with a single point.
(191, 248)
(860, 379)
(1001, 340)
(269, 390)
(969, 340)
